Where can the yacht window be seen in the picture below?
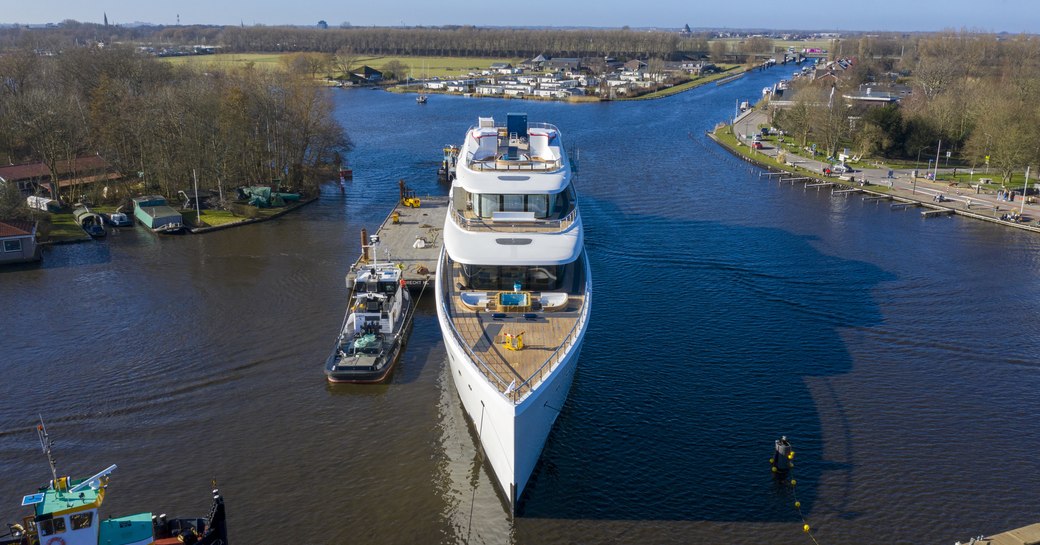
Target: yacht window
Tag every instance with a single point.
(539, 204)
(531, 278)
(488, 205)
(81, 520)
(512, 203)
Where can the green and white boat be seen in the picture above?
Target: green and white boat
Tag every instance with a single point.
(66, 512)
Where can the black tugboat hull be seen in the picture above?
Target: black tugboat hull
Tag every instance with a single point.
(362, 374)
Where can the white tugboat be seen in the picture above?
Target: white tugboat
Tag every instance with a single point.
(513, 289)
(376, 327)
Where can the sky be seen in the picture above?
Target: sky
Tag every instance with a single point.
(1013, 16)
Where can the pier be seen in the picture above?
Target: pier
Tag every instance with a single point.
(412, 236)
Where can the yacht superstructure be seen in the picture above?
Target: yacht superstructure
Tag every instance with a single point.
(513, 289)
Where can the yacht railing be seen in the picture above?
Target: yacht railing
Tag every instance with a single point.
(480, 224)
(482, 365)
(495, 163)
(511, 390)
(554, 359)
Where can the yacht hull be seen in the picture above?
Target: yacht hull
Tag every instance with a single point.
(511, 435)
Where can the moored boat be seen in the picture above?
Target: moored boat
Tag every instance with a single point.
(119, 219)
(91, 222)
(153, 212)
(376, 325)
(513, 290)
(66, 512)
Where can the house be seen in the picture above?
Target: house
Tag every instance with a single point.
(367, 73)
(490, 89)
(534, 64)
(31, 178)
(28, 177)
(635, 65)
(462, 86)
(562, 64)
(18, 242)
(517, 90)
(501, 67)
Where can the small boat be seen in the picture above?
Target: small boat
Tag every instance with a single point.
(65, 512)
(376, 326)
(153, 212)
(119, 219)
(421, 99)
(91, 222)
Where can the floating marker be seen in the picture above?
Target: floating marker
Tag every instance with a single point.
(783, 453)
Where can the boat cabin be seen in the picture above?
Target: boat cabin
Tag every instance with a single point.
(378, 301)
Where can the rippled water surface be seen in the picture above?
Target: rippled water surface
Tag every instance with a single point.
(899, 354)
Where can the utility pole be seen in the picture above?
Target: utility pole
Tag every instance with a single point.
(935, 173)
(1024, 189)
(198, 211)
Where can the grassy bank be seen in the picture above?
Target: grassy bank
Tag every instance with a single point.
(418, 66)
(693, 83)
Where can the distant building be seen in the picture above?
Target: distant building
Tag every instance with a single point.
(323, 25)
(367, 73)
(18, 241)
(32, 178)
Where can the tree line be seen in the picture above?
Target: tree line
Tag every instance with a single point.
(427, 41)
(972, 92)
(156, 123)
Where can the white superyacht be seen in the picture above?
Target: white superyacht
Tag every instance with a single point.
(513, 289)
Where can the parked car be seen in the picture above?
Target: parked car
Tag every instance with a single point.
(756, 145)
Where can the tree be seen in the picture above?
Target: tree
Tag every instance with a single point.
(345, 60)
(395, 70)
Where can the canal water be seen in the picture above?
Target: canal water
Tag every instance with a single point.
(899, 355)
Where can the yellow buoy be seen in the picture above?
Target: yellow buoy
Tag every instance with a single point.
(774, 469)
(805, 528)
(793, 482)
(797, 505)
(790, 455)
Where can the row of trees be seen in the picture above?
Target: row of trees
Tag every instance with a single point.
(156, 122)
(976, 93)
(465, 41)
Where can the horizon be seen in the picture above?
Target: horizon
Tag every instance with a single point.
(1008, 16)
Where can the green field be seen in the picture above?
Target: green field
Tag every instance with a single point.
(420, 66)
(261, 60)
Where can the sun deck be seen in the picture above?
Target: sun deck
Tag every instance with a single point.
(527, 146)
(548, 321)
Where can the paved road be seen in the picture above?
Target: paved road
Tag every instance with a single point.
(903, 184)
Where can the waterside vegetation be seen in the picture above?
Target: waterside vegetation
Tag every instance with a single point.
(157, 124)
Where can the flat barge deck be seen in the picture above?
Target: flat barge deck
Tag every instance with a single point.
(413, 237)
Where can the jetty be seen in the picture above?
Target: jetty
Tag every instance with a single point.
(411, 235)
(1027, 535)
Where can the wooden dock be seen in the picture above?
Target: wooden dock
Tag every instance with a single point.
(1027, 535)
(399, 237)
